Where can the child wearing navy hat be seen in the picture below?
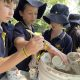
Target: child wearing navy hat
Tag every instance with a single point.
(26, 13)
(58, 19)
(74, 31)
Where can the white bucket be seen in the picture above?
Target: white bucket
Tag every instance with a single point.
(48, 73)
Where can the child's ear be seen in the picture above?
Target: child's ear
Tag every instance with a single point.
(21, 14)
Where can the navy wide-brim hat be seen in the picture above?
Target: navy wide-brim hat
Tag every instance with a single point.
(61, 9)
(74, 19)
(56, 18)
(41, 8)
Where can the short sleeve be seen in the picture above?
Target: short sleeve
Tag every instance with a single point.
(18, 32)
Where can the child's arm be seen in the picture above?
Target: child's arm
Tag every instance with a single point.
(51, 49)
(20, 42)
(32, 47)
(54, 51)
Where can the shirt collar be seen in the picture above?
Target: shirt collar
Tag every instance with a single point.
(26, 27)
(1, 29)
(61, 35)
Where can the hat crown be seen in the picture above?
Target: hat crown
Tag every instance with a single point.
(51, 17)
(60, 9)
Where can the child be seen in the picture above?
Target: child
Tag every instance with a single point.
(74, 31)
(6, 13)
(26, 13)
(56, 36)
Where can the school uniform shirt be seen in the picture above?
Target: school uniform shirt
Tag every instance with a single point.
(2, 46)
(20, 31)
(6, 35)
(8, 29)
(2, 49)
(63, 42)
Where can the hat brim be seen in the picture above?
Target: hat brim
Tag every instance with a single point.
(41, 9)
(61, 19)
(67, 25)
(75, 21)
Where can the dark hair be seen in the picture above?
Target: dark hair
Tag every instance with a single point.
(23, 8)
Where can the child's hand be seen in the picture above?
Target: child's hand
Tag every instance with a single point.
(35, 45)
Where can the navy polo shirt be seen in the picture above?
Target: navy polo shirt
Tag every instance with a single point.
(8, 28)
(63, 42)
(20, 31)
(2, 49)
